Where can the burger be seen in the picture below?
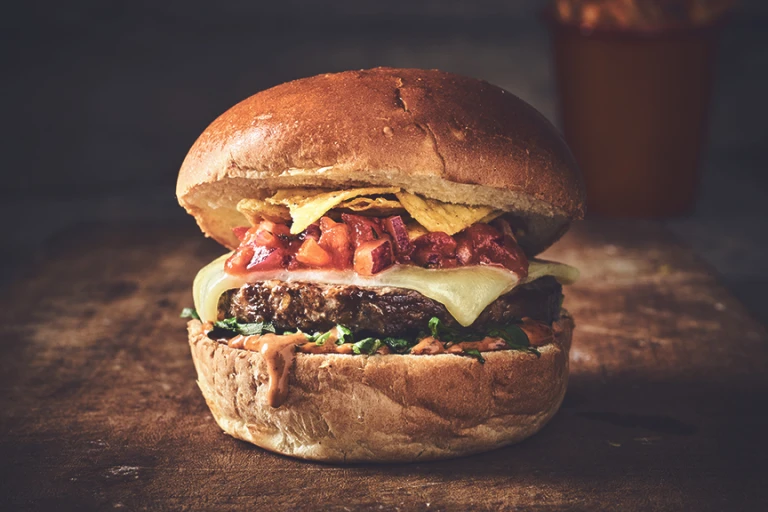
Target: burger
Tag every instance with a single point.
(381, 300)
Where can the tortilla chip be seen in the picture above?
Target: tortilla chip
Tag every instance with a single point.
(415, 230)
(380, 206)
(446, 217)
(257, 209)
(307, 206)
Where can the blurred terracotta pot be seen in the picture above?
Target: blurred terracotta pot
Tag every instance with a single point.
(634, 108)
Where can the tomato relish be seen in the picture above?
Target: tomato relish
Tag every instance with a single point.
(370, 245)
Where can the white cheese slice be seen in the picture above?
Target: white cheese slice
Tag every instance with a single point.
(464, 291)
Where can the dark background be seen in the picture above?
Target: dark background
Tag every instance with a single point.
(101, 101)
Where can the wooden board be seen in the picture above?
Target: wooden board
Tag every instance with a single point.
(666, 409)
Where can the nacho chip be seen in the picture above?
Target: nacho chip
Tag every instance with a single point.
(446, 217)
(257, 209)
(373, 205)
(415, 230)
(307, 206)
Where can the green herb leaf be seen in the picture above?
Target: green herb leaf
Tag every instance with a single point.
(366, 346)
(443, 332)
(255, 328)
(320, 340)
(398, 345)
(343, 335)
(434, 326)
(228, 324)
(515, 338)
(473, 352)
(232, 326)
(189, 313)
(512, 334)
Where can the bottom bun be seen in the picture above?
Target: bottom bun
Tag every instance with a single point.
(384, 408)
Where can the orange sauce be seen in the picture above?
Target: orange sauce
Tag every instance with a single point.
(487, 344)
(428, 346)
(329, 347)
(278, 352)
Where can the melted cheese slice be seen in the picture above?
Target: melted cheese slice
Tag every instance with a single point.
(464, 291)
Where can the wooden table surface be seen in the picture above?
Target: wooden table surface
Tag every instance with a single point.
(666, 408)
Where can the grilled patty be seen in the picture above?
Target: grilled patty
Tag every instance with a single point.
(385, 311)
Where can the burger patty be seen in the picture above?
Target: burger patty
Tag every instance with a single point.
(385, 311)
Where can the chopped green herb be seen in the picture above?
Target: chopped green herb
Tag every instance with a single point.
(473, 352)
(434, 326)
(343, 335)
(366, 346)
(514, 336)
(398, 345)
(189, 313)
(320, 340)
(232, 327)
(254, 329)
(445, 333)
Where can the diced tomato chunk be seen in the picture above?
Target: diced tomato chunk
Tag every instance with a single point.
(465, 253)
(310, 253)
(481, 243)
(373, 256)
(395, 227)
(370, 245)
(312, 231)
(434, 250)
(335, 238)
(266, 258)
(268, 234)
(240, 232)
(482, 236)
(276, 229)
(291, 252)
(362, 229)
(236, 263)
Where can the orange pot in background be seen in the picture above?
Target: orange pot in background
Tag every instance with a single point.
(634, 108)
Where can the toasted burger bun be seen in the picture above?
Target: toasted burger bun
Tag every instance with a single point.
(436, 134)
(384, 408)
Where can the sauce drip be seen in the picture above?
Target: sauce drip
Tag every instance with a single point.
(328, 348)
(279, 352)
(428, 345)
(487, 344)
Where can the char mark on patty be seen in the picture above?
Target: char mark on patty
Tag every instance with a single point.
(385, 311)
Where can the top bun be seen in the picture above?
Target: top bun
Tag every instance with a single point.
(436, 134)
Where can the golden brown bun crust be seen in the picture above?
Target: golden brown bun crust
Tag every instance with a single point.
(441, 135)
(344, 408)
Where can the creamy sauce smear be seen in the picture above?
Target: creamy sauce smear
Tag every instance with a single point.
(279, 352)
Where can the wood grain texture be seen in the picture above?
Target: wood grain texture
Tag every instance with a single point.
(666, 409)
